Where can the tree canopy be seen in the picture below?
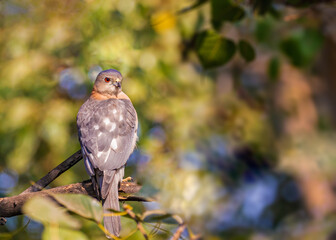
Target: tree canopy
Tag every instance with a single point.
(236, 108)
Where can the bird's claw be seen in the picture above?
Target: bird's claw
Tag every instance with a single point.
(128, 179)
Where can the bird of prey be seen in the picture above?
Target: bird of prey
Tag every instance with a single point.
(107, 128)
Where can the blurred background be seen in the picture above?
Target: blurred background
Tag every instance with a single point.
(236, 102)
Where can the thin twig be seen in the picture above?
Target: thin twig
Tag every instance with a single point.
(129, 211)
(53, 174)
(107, 233)
(179, 232)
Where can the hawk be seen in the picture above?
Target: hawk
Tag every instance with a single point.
(107, 128)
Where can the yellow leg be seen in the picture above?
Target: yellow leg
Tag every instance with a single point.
(128, 179)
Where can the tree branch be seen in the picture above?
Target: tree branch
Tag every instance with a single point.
(12, 206)
(53, 174)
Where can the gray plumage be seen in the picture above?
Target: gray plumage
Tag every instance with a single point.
(107, 133)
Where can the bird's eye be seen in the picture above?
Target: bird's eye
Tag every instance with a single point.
(107, 79)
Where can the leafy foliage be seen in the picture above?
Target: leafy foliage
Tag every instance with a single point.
(246, 50)
(225, 10)
(214, 50)
(49, 213)
(82, 205)
(60, 225)
(302, 46)
(161, 216)
(52, 232)
(225, 142)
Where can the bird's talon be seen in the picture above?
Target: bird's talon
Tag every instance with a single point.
(128, 179)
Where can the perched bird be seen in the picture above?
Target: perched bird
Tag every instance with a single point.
(107, 127)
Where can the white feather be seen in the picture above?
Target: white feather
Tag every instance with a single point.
(114, 144)
(106, 121)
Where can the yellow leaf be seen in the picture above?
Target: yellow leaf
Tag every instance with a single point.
(163, 21)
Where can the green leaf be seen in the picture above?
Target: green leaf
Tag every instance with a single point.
(214, 50)
(291, 47)
(264, 31)
(161, 216)
(82, 205)
(246, 50)
(62, 234)
(5, 236)
(225, 10)
(48, 212)
(273, 68)
(301, 46)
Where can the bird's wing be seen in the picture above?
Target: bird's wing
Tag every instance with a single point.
(107, 132)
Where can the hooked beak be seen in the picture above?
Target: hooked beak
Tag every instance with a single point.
(117, 84)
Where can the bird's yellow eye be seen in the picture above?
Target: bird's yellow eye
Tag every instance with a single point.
(107, 79)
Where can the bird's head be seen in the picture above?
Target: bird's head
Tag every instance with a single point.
(108, 82)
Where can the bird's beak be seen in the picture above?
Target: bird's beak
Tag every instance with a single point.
(117, 83)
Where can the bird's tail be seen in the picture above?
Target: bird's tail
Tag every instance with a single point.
(112, 223)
